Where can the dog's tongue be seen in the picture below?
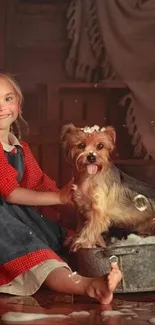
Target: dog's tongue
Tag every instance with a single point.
(92, 169)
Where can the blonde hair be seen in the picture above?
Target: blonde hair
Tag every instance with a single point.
(20, 125)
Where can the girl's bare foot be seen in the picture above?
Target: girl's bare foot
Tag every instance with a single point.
(63, 280)
(102, 288)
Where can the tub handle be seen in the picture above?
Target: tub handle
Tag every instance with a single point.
(101, 254)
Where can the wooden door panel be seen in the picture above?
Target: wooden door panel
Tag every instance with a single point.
(65, 170)
(71, 109)
(50, 160)
(2, 34)
(80, 104)
(36, 149)
(96, 110)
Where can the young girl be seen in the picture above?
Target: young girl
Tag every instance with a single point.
(30, 245)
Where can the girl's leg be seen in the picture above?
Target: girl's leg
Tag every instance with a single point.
(101, 288)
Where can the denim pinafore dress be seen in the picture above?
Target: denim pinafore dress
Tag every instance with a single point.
(24, 230)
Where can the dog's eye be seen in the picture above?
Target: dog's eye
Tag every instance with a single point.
(100, 146)
(81, 145)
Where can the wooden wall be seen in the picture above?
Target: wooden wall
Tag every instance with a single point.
(35, 42)
(33, 47)
(2, 33)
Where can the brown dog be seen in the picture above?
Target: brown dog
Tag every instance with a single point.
(103, 195)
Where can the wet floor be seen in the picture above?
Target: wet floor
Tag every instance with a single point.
(135, 309)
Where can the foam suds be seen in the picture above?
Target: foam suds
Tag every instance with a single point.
(126, 311)
(111, 313)
(79, 314)
(133, 239)
(121, 312)
(141, 309)
(18, 317)
(126, 306)
(11, 317)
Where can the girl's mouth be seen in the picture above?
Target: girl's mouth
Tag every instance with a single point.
(4, 116)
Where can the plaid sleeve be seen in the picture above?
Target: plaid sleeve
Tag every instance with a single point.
(8, 175)
(34, 178)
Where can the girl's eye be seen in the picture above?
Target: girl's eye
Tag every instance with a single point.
(100, 146)
(81, 145)
(8, 99)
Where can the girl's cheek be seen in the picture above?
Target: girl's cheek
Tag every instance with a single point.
(14, 108)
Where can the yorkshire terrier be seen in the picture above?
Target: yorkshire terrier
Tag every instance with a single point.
(104, 196)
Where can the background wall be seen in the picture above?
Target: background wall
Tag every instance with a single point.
(33, 47)
(34, 41)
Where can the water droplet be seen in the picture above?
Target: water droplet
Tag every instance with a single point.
(75, 277)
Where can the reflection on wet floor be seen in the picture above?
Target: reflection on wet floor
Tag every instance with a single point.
(50, 308)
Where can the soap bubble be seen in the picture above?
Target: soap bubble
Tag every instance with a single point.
(113, 259)
(75, 277)
(141, 202)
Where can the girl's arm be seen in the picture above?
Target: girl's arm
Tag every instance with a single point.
(26, 196)
(34, 191)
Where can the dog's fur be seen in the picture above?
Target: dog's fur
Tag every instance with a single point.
(106, 196)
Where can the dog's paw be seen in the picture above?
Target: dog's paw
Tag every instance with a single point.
(101, 242)
(77, 244)
(68, 241)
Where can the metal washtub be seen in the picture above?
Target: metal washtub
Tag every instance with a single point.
(137, 263)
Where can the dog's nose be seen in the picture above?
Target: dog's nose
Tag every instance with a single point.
(91, 159)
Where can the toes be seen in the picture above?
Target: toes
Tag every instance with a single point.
(110, 276)
(110, 284)
(114, 267)
(114, 278)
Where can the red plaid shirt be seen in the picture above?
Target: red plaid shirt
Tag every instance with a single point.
(34, 178)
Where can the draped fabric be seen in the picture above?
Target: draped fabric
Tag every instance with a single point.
(115, 39)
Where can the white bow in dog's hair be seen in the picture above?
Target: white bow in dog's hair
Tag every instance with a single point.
(93, 129)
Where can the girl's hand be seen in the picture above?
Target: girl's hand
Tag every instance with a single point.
(66, 193)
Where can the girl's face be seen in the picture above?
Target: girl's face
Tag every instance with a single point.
(9, 107)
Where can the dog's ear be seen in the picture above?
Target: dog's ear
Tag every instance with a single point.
(66, 130)
(111, 133)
